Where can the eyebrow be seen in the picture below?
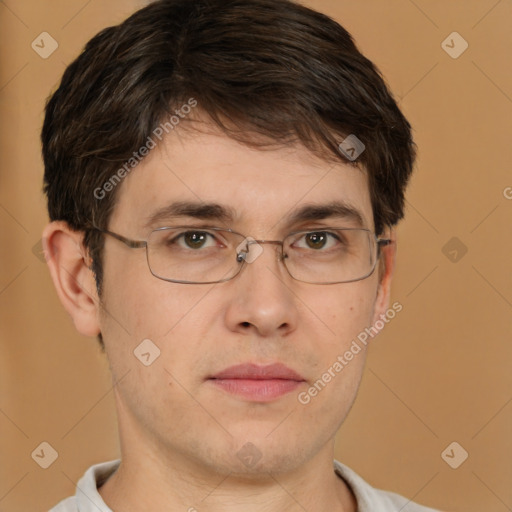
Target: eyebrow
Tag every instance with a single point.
(227, 215)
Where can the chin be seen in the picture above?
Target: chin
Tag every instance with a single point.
(254, 458)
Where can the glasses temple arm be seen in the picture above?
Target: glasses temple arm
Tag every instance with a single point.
(133, 244)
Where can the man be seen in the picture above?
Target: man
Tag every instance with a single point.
(223, 179)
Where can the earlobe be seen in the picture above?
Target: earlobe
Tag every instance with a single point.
(72, 277)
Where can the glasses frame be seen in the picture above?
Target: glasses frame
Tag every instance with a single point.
(139, 244)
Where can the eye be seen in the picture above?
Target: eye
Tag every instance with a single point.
(317, 240)
(194, 239)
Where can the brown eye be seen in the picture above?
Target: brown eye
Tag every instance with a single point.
(191, 240)
(194, 239)
(316, 240)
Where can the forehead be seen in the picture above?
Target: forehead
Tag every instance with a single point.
(239, 186)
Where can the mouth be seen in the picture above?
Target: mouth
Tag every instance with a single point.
(257, 383)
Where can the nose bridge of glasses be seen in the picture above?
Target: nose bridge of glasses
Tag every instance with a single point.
(244, 251)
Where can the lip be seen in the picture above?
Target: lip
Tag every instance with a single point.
(257, 372)
(257, 383)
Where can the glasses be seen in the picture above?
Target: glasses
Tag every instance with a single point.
(207, 255)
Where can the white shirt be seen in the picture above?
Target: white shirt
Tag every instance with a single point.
(87, 498)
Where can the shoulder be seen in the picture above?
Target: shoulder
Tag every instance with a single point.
(67, 505)
(87, 490)
(370, 499)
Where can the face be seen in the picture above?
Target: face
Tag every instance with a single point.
(173, 407)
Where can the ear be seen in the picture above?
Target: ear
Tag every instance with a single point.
(386, 267)
(72, 276)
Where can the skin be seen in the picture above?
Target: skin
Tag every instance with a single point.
(180, 434)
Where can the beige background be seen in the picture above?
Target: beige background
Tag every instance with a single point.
(440, 372)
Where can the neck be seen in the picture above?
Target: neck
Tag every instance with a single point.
(144, 481)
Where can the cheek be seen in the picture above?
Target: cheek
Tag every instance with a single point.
(340, 358)
(347, 310)
(139, 305)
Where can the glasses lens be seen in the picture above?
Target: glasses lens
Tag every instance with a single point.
(330, 255)
(193, 255)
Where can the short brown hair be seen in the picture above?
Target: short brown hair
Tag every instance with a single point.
(270, 68)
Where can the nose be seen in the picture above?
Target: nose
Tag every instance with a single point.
(261, 298)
